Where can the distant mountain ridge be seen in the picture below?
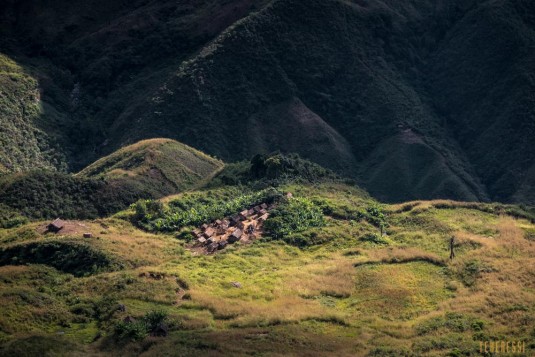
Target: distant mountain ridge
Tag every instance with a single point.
(414, 99)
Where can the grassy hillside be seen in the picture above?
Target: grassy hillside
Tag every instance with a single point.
(347, 292)
(148, 169)
(161, 165)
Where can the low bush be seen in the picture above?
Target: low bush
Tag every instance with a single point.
(135, 330)
(138, 329)
(471, 272)
(373, 238)
(451, 321)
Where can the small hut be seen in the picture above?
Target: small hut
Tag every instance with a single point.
(209, 232)
(212, 247)
(224, 225)
(234, 219)
(263, 217)
(56, 225)
(235, 236)
(264, 205)
(244, 214)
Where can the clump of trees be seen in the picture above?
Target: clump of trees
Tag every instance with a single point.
(273, 169)
(280, 166)
(10, 218)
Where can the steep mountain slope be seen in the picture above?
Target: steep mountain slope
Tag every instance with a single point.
(346, 69)
(105, 56)
(27, 138)
(486, 94)
(340, 82)
(292, 127)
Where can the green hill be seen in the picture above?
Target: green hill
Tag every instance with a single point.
(148, 169)
(161, 165)
(339, 82)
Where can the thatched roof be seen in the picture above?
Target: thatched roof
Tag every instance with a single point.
(209, 232)
(57, 224)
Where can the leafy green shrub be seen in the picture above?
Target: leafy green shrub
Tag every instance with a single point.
(470, 272)
(135, 330)
(139, 329)
(451, 321)
(293, 216)
(305, 239)
(154, 318)
(376, 216)
(148, 209)
(83, 309)
(105, 307)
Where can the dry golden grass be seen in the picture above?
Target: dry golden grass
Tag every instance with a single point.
(281, 310)
(512, 238)
(466, 238)
(394, 255)
(332, 278)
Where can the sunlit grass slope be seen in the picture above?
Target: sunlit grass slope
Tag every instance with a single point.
(163, 164)
(348, 293)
